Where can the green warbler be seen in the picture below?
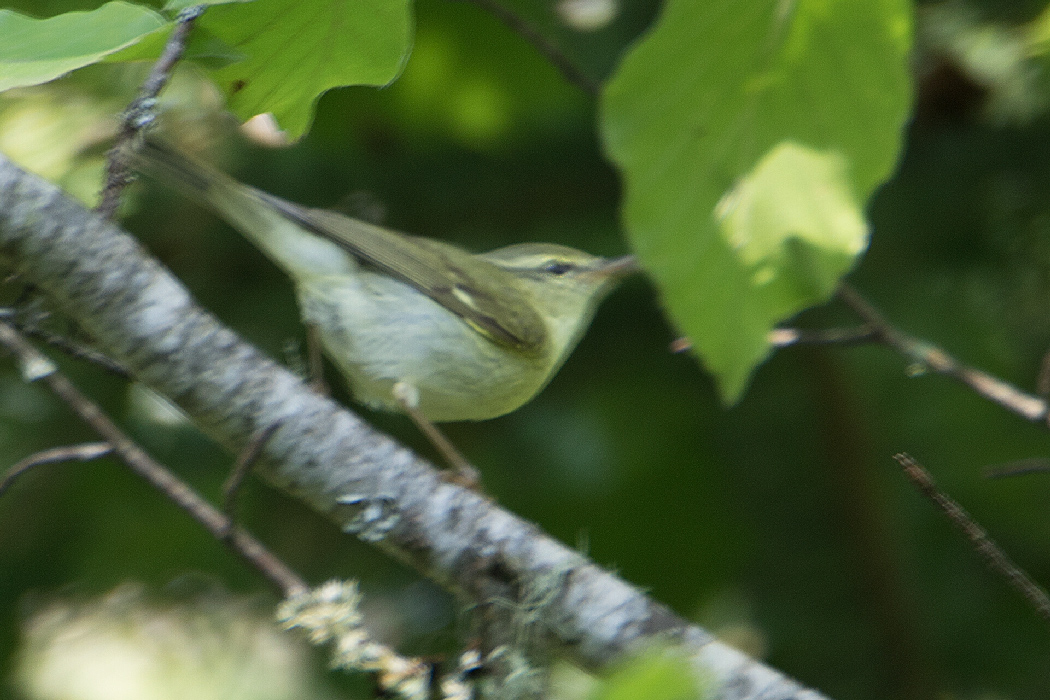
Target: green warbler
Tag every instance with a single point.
(473, 336)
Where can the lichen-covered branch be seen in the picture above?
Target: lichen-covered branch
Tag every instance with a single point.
(362, 480)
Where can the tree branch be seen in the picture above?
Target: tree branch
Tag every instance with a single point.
(930, 356)
(244, 544)
(984, 545)
(360, 479)
(140, 112)
(81, 453)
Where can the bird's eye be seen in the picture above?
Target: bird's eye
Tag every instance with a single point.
(557, 267)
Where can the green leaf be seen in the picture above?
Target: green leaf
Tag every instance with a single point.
(794, 224)
(704, 105)
(295, 50)
(34, 51)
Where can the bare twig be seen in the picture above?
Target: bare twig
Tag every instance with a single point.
(60, 342)
(244, 463)
(933, 358)
(145, 466)
(30, 321)
(139, 113)
(1042, 384)
(70, 453)
(785, 337)
(680, 345)
(1019, 468)
(545, 46)
(76, 350)
(995, 557)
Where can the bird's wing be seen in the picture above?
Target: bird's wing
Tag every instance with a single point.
(481, 293)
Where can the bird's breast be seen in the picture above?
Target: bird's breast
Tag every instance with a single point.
(379, 331)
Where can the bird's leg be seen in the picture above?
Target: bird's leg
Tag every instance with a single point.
(464, 474)
(315, 360)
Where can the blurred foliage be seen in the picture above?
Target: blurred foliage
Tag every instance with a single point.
(39, 50)
(651, 677)
(194, 641)
(781, 523)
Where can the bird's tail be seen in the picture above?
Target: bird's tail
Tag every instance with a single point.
(259, 216)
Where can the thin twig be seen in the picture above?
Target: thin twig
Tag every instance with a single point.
(36, 366)
(31, 328)
(933, 358)
(140, 114)
(680, 345)
(985, 546)
(1042, 384)
(244, 463)
(1019, 468)
(70, 453)
(545, 46)
(785, 337)
(67, 346)
(76, 350)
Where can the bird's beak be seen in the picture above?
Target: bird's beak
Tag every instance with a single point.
(620, 267)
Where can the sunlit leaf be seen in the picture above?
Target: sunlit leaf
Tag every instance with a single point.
(709, 92)
(794, 224)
